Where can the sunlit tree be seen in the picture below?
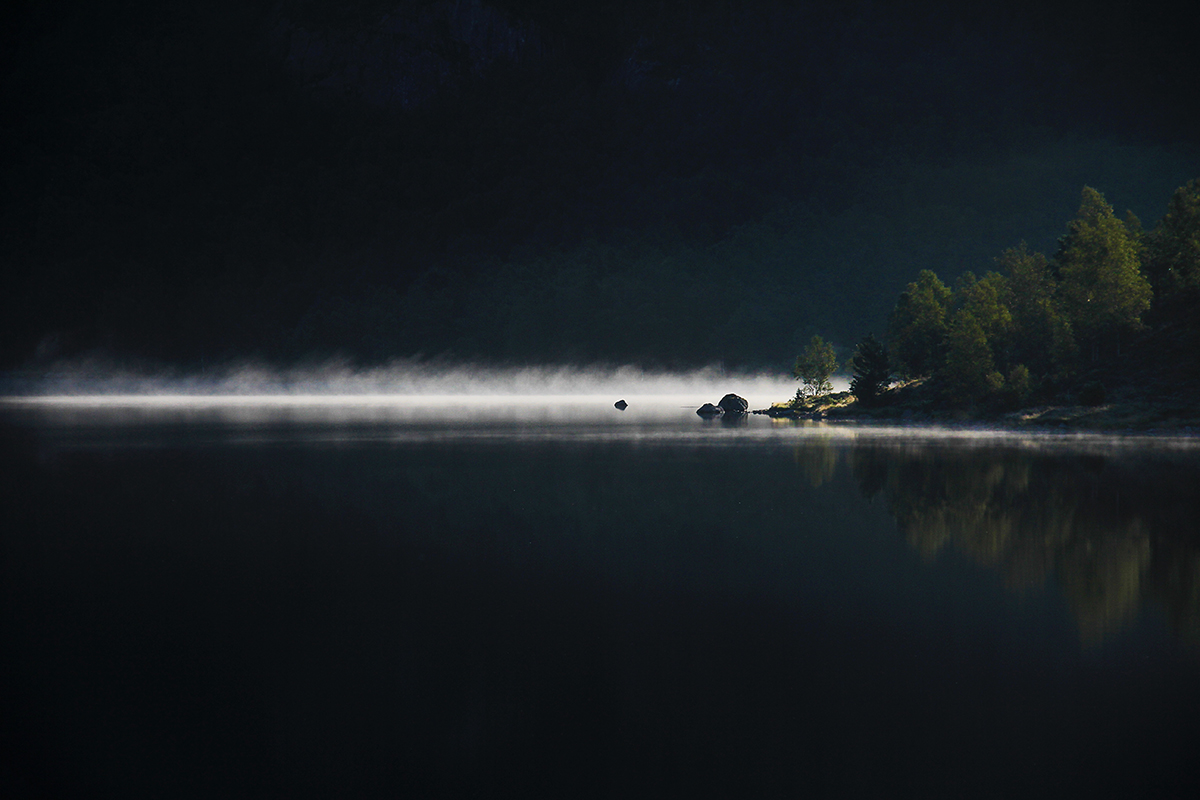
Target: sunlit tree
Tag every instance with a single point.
(918, 325)
(1174, 246)
(813, 367)
(970, 371)
(1041, 335)
(986, 299)
(1104, 291)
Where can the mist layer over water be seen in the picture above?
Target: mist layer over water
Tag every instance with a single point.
(434, 383)
(421, 398)
(121, 421)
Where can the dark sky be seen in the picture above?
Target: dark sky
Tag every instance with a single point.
(670, 183)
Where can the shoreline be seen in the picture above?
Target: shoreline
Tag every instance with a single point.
(1171, 417)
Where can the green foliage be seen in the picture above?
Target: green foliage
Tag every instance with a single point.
(917, 326)
(1173, 258)
(1041, 335)
(872, 371)
(986, 300)
(1018, 386)
(814, 366)
(980, 337)
(1018, 331)
(969, 371)
(1104, 292)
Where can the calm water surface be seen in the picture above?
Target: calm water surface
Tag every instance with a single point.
(524, 597)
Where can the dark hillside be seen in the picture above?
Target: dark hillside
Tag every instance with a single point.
(666, 183)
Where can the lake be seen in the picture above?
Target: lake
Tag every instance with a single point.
(524, 596)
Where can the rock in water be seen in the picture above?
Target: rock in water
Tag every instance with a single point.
(732, 404)
(621, 404)
(709, 410)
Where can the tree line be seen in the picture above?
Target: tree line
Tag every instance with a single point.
(1038, 326)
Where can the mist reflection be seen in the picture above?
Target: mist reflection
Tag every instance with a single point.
(1116, 533)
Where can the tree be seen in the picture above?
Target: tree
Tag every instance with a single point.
(1103, 289)
(917, 326)
(1174, 246)
(986, 300)
(970, 371)
(872, 371)
(814, 366)
(1041, 335)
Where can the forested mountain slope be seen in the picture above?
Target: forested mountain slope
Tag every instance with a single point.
(666, 183)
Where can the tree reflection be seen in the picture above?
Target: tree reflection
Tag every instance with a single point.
(1114, 531)
(817, 460)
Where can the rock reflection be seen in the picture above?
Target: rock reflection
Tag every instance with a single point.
(1114, 532)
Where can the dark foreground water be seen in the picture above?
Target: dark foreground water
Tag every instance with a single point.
(316, 601)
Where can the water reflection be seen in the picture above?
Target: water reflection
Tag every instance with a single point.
(817, 458)
(449, 604)
(1110, 520)
(1116, 532)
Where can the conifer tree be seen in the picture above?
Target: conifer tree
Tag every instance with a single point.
(1174, 246)
(986, 300)
(970, 371)
(1041, 335)
(872, 371)
(1104, 292)
(917, 326)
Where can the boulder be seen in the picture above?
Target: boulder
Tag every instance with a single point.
(732, 404)
(709, 410)
(621, 405)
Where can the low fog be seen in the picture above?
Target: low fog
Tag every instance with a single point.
(412, 381)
